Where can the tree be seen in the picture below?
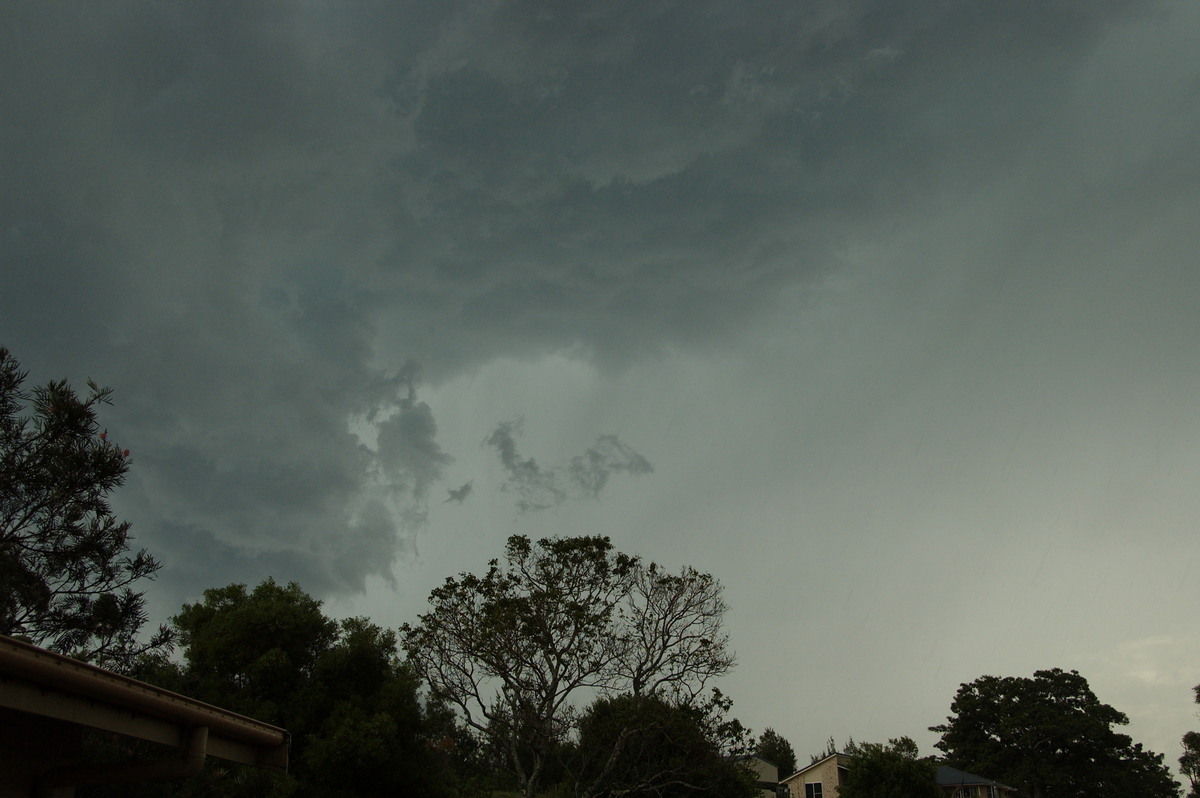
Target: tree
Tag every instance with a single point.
(1189, 762)
(773, 747)
(351, 705)
(254, 651)
(884, 771)
(1049, 735)
(64, 557)
(673, 640)
(512, 649)
(831, 748)
(632, 745)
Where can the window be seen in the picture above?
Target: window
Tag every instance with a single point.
(813, 790)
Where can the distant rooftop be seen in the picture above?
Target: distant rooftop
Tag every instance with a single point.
(949, 777)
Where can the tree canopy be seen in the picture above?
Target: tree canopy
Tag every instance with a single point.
(64, 558)
(1048, 736)
(886, 771)
(831, 748)
(632, 745)
(1189, 761)
(351, 705)
(563, 617)
(774, 747)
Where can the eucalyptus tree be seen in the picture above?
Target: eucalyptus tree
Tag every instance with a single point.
(562, 620)
(671, 632)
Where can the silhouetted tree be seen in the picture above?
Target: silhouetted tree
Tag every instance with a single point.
(831, 748)
(1189, 762)
(773, 747)
(512, 648)
(352, 706)
(64, 558)
(1048, 736)
(886, 771)
(638, 745)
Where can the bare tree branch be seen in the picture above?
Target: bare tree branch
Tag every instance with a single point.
(563, 619)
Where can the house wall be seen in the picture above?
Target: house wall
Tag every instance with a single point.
(766, 774)
(825, 772)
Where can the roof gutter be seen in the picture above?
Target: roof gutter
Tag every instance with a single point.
(47, 669)
(41, 682)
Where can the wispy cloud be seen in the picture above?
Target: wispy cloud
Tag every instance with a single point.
(583, 476)
(460, 494)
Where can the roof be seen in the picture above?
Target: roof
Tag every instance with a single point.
(40, 682)
(748, 757)
(949, 777)
(818, 763)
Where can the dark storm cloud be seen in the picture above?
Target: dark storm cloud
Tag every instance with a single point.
(285, 482)
(407, 450)
(247, 217)
(583, 476)
(636, 174)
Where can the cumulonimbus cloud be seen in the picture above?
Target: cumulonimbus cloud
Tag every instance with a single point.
(291, 208)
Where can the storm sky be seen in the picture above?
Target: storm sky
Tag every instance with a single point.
(887, 314)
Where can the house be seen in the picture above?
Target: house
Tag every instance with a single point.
(821, 779)
(766, 775)
(48, 700)
(956, 783)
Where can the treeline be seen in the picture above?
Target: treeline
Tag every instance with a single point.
(364, 723)
(369, 717)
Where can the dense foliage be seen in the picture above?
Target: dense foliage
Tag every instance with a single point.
(1189, 762)
(774, 747)
(1048, 736)
(352, 707)
(886, 771)
(514, 648)
(632, 745)
(64, 558)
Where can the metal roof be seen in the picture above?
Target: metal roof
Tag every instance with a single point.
(949, 777)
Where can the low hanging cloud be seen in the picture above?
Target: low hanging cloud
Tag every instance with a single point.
(409, 457)
(583, 476)
(328, 497)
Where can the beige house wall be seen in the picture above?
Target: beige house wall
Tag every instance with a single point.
(826, 772)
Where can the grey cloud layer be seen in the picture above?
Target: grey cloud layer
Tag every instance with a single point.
(248, 217)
